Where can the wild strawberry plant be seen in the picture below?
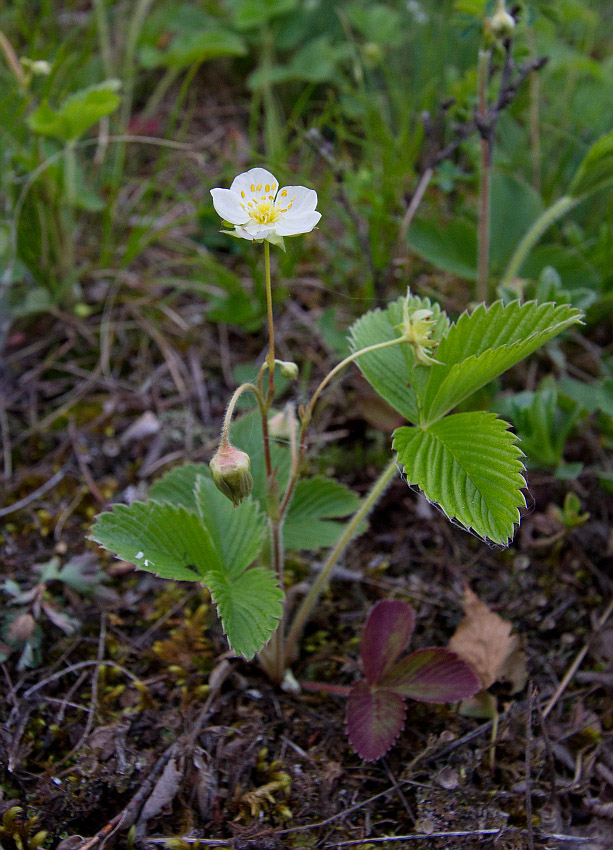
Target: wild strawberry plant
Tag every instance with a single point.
(230, 526)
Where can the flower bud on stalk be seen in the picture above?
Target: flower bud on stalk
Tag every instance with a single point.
(230, 468)
(501, 24)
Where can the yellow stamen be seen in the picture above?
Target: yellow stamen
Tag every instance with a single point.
(284, 193)
(252, 187)
(242, 193)
(268, 187)
(259, 187)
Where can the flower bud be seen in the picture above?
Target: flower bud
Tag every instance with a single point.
(230, 468)
(501, 24)
(288, 369)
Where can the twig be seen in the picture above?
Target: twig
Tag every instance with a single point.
(553, 792)
(409, 215)
(34, 495)
(528, 761)
(91, 484)
(419, 836)
(577, 662)
(94, 698)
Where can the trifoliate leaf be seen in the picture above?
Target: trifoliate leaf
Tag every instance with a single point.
(393, 372)
(162, 539)
(483, 344)
(470, 465)
(250, 606)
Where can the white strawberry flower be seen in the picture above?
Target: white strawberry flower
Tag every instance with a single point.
(259, 210)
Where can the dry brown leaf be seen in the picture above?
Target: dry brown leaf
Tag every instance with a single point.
(484, 639)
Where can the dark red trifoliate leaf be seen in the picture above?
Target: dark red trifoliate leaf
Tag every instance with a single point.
(386, 634)
(376, 704)
(434, 674)
(374, 720)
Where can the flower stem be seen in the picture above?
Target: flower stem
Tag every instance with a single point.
(543, 223)
(484, 183)
(271, 326)
(310, 600)
(230, 410)
(306, 416)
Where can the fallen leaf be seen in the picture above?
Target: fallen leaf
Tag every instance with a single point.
(484, 639)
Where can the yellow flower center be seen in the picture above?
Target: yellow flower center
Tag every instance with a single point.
(265, 210)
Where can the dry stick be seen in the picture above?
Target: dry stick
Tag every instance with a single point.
(528, 762)
(32, 497)
(91, 484)
(409, 215)
(553, 791)
(461, 834)
(5, 433)
(577, 662)
(94, 698)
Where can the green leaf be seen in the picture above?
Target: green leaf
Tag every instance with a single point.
(177, 486)
(161, 539)
(77, 113)
(596, 170)
(470, 465)
(237, 533)
(188, 48)
(515, 206)
(483, 344)
(249, 606)
(254, 13)
(392, 371)
(452, 248)
(315, 503)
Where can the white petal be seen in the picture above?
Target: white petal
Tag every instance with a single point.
(227, 204)
(240, 231)
(259, 231)
(254, 177)
(301, 198)
(292, 225)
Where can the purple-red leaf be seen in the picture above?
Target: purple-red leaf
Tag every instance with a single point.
(386, 634)
(434, 674)
(374, 720)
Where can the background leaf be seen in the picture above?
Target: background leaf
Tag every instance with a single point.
(452, 248)
(315, 503)
(470, 465)
(596, 170)
(77, 113)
